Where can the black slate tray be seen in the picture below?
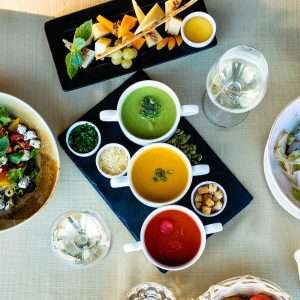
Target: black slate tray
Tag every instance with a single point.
(129, 210)
(64, 27)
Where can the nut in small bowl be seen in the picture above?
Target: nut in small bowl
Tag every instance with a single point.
(112, 160)
(209, 199)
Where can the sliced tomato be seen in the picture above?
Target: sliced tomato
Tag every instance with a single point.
(10, 149)
(25, 145)
(16, 137)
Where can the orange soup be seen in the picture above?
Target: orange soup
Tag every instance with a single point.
(159, 174)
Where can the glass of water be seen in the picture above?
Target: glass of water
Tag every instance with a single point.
(81, 237)
(235, 85)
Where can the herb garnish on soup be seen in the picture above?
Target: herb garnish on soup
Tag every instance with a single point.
(148, 112)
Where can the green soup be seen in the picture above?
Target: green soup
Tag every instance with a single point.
(148, 113)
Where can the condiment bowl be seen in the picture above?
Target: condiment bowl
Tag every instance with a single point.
(71, 128)
(105, 147)
(206, 16)
(116, 115)
(193, 195)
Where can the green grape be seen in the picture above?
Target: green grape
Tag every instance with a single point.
(129, 53)
(117, 55)
(126, 64)
(116, 61)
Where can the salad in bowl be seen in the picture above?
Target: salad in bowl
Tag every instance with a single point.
(287, 153)
(29, 162)
(19, 151)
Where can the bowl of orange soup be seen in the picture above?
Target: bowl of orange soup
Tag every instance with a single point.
(159, 174)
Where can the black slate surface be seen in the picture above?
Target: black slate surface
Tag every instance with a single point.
(129, 210)
(64, 28)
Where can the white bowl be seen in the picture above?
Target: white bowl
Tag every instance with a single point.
(101, 151)
(193, 199)
(286, 121)
(49, 163)
(88, 153)
(206, 16)
(116, 115)
(244, 285)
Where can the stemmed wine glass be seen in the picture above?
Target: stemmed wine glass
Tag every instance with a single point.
(81, 237)
(235, 85)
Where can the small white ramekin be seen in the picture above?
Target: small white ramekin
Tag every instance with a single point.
(206, 16)
(73, 127)
(101, 151)
(193, 199)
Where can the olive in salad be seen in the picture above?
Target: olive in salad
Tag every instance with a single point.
(19, 149)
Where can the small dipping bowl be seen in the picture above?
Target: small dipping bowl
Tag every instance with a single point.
(76, 124)
(100, 152)
(194, 194)
(203, 15)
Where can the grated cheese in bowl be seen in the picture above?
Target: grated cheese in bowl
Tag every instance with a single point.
(112, 160)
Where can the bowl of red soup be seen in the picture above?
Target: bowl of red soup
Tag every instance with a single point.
(173, 238)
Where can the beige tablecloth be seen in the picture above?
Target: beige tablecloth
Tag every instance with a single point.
(260, 241)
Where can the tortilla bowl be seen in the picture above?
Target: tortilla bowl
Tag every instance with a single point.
(48, 162)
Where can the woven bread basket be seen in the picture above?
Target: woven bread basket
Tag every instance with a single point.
(244, 285)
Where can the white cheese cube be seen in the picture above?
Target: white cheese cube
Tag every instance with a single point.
(101, 45)
(35, 144)
(3, 161)
(21, 129)
(26, 155)
(24, 182)
(174, 25)
(88, 57)
(29, 135)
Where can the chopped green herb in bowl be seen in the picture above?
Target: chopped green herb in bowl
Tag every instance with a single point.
(83, 138)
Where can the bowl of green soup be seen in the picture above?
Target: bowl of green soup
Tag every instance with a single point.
(148, 112)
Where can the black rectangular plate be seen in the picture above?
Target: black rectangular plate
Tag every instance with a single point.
(128, 209)
(64, 27)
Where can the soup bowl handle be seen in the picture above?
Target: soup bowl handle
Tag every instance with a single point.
(213, 228)
(133, 247)
(119, 181)
(189, 110)
(199, 170)
(108, 116)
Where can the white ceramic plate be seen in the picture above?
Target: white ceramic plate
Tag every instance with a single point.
(278, 182)
(279, 196)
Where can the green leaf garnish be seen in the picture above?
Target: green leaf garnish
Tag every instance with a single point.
(34, 153)
(4, 144)
(84, 31)
(15, 158)
(73, 61)
(15, 175)
(34, 174)
(4, 116)
(150, 107)
(161, 174)
(78, 44)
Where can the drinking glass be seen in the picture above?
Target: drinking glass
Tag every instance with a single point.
(235, 85)
(81, 237)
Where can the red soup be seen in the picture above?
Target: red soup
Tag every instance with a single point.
(172, 238)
